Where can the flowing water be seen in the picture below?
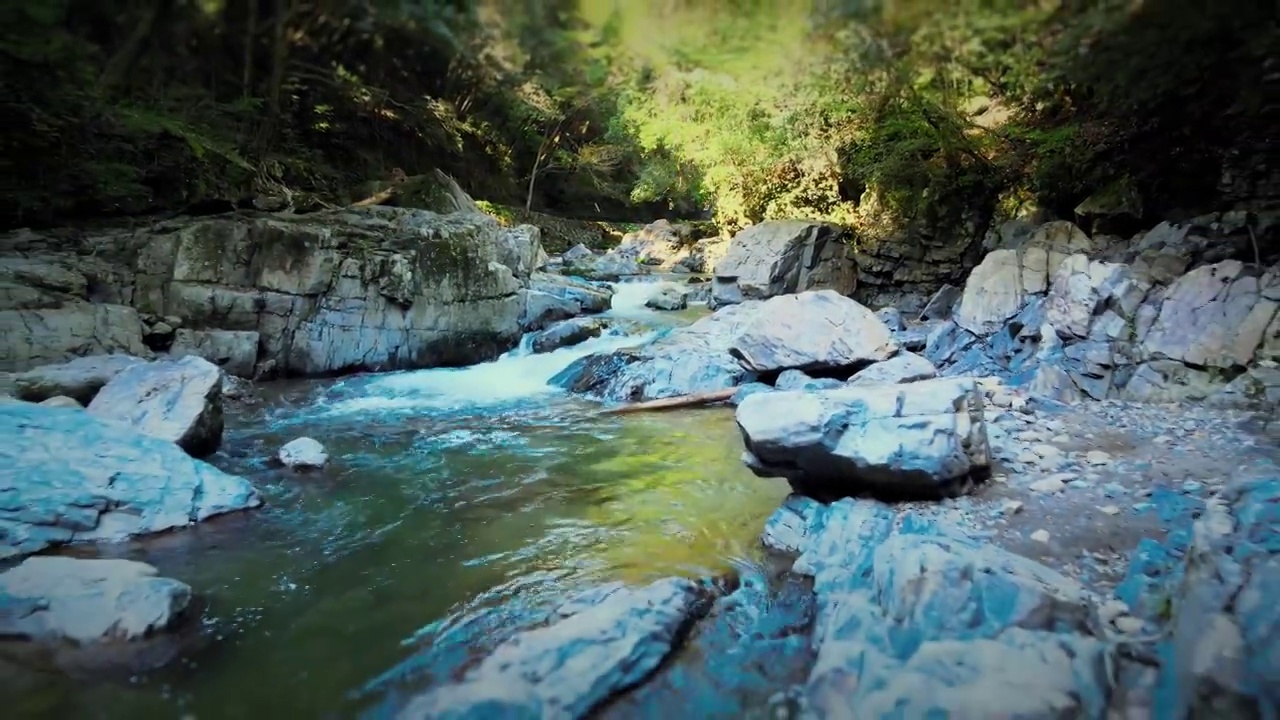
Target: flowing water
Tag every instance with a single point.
(459, 504)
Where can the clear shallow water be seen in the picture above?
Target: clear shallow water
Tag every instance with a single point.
(458, 505)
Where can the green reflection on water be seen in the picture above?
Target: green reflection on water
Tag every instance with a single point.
(315, 594)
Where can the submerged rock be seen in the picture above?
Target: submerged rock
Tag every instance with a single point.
(53, 599)
(922, 439)
(175, 400)
(567, 668)
(303, 453)
(667, 297)
(80, 379)
(66, 475)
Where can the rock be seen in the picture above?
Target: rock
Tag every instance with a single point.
(1097, 457)
(566, 669)
(791, 380)
(1224, 641)
(236, 352)
(36, 337)
(904, 367)
(941, 304)
(302, 454)
(520, 249)
(544, 309)
(811, 331)
(610, 266)
(577, 254)
(1011, 507)
(916, 620)
(88, 601)
(921, 439)
(891, 318)
(1005, 280)
(66, 476)
(1080, 290)
(1214, 316)
(80, 379)
(814, 330)
(747, 391)
(1109, 510)
(1258, 387)
(1048, 485)
(779, 257)
(588, 297)
(667, 297)
(374, 288)
(1040, 536)
(567, 333)
(1162, 381)
(62, 401)
(175, 400)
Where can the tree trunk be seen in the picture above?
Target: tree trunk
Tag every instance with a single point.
(120, 65)
(279, 58)
(250, 45)
(671, 403)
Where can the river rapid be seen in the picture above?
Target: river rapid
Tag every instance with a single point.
(459, 505)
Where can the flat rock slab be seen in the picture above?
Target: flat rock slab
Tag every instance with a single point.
(566, 669)
(918, 439)
(67, 476)
(79, 379)
(175, 400)
(47, 599)
(817, 330)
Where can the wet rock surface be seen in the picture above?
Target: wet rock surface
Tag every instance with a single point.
(67, 476)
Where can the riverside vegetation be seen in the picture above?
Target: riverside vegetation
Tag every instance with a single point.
(566, 359)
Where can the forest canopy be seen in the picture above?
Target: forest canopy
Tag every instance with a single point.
(739, 109)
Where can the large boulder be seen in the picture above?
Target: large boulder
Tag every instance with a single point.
(60, 599)
(778, 257)
(1215, 316)
(79, 379)
(588, 297)
(904, 367)
(817, 330)
(567, 333)
(597, 647)
(667, 296)
(235, 351)
(66, 475)
(175, 400)
(921, 439)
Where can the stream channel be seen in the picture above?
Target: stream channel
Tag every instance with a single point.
(459, 506)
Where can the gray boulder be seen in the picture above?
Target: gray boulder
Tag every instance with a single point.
(667, 297)
(567, 334)
(779, 257)
(587, 296)
(816, 330)
(56, 599)
(922, 439)
(576, 254)
(175, 400)
(564, 670)
(905, 367)
(79, 379)
(66, 475)
(542, 309)
(941, 304)
(303, 453)
(1215, 315)
(235, 351)
(891, 318)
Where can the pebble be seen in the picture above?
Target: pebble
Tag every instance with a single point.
(1048, 485)
(1113, 489)
(1048, 452)
(1040, 536)
(1191, 486)
(1128, 624)
(1011, 507)
(1110, 509)
(1141, 507)
(1097, 457)
(1060, 439)
(1026, 456)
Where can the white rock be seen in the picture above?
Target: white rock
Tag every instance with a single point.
(1110, 509)
(1040, 536)
(1011, 507)
(1048, 485)
(302, 453)
(1097, 457)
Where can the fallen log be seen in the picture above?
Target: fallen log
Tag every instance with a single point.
(671, 403)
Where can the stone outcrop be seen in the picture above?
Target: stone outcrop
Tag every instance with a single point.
(67, 476)
(175, 400)
(59, 599)
(79, 379)
(372, 288)
(778, 257)
(816, 330)
(922, 439)
(1144, 324)
(596, 646)
(915, 618)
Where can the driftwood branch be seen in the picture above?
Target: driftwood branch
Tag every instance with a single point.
(706, 398)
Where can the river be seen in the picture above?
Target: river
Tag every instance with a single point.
(458, 506)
